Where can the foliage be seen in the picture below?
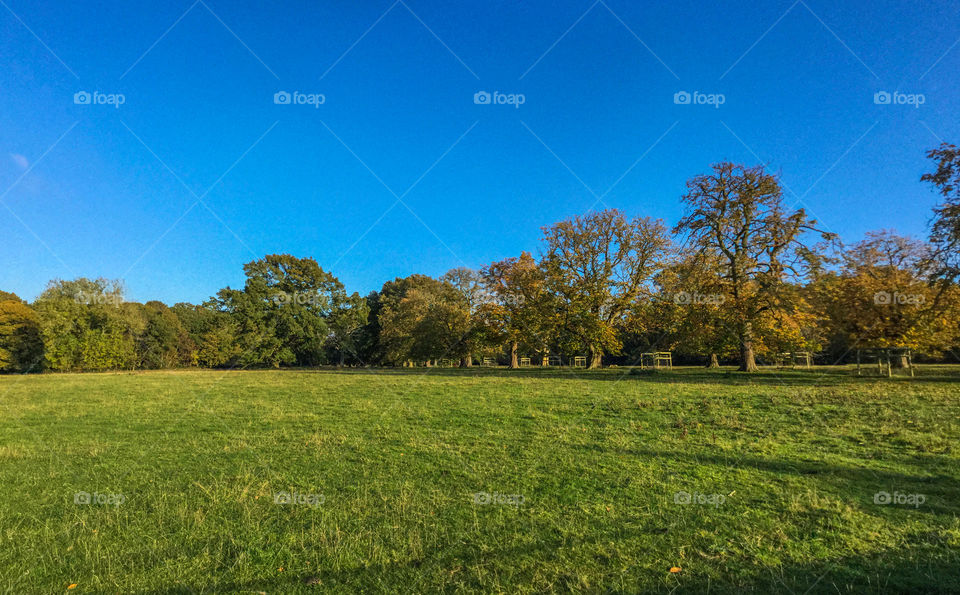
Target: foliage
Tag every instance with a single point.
(882, 298)
(86, 326)
(597, 265)
(736, 215)
(423, 319)
(521, 310)
(21, 346)
(280, 316)
(945, 230)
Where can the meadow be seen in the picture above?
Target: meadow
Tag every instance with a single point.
(480, 480)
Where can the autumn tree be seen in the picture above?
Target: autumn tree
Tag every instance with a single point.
(736, 215)
(686, 313)
(597, 265)
(521, 309)
(945, 228)
(881, 298)
(21, 346)
(469, 284)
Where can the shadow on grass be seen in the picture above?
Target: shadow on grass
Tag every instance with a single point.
(925, 563)
(819, 376)
(942, 491)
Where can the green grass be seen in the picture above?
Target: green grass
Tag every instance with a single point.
(397, 456)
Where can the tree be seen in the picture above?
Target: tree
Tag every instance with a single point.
(945, 227)
(21, 346)
(218, 347)
(469, 284)
(687, 313)
(736, 215)
(86, 325)
(423, 319)
(597, 265)
(280, 316)
(162, 338)
(346, 323)
(881, 298)
(520, 306)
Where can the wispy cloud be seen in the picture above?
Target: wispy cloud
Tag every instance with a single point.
(21, 161)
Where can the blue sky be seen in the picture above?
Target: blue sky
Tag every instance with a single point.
(399, 170)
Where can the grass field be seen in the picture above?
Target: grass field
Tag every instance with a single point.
(480, 481)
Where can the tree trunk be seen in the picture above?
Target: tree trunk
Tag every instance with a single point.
(747, 361)
(466, 361)
(596, 358)
(513, 355)
(714, 362)
(899, 361)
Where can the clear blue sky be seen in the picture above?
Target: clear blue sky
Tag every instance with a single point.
(98, 190)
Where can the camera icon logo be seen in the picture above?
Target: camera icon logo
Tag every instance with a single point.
(481, 98)
(683, 299)
(81, 98)
(282, 498)
(883, 298)
(682, 498)
(882, 498)
(681, 98)
(281, 98)
(81, 498)
(881, 98)
(482, 498)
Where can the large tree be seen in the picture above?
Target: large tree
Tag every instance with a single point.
(881, 298)
(597, 266)
(280, 316)
(945, 227)
(163, 343)
(86, 325)
(469, 285)
(736, 215)
(686, 313)
(520, 308)
(423, 319)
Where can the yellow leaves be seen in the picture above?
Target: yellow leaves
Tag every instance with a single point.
(675, 569)
(71, 586)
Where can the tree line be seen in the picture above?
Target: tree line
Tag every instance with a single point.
(741, 277)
